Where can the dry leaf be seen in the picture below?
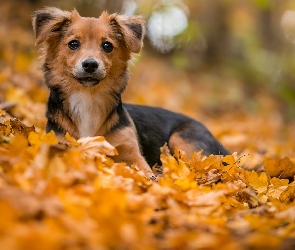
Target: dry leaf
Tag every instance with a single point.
(282, 168)
(258, 182)
(96, 147)
(288, 195)
(73, 196)
(5, 129)
(19, 128)
(71, 140)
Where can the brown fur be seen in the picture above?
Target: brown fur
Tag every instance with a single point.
(127, 145)
(55, 29)
(86, 81)
(176, 141)
(58, 59)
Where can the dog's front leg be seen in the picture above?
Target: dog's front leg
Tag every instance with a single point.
(125, 141)
(131, 155)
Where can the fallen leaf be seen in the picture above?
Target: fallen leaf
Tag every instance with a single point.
(277, 167)
(288, 195)
(258, 181)
(96, 146)
(49, 138)
(19, 128)
(71, 140)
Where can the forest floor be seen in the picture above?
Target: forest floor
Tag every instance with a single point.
(77, 198)
(52, 197)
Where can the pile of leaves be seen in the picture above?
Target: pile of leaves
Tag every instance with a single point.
(75, 197)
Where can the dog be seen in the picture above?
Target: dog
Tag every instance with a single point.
(86, 70)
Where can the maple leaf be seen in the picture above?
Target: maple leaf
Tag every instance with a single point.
(208, 201)
(96, 146)
(277, 167)
(71, 140)
(258, 182)
(73, 196)
(19, 128)
(277, 187)
(213, 176)
(49, 138)
(288, 195)
(5, 129)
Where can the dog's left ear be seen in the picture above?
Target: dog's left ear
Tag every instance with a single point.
(130, 29)
(48, 22)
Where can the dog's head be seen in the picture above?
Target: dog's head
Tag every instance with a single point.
(90, 50)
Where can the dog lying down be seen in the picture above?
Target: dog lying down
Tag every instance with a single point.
(85, 68)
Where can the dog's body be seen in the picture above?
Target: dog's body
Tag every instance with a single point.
(85, 66)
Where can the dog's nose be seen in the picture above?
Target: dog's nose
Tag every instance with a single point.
(90, 65)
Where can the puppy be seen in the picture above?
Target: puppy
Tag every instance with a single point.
(85, 68)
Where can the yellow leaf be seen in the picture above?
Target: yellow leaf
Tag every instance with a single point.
(195, 158)
(56, 166)
(72, 140)
(17, 95)
(169, 163)
(182, 170)
(229, 160)
(20, 128)
(19, 144)
(49, 138)
(5, 129)
(211, 160)
(276, 192)
(95, 146)
(186, 184)
(34, 138)
(288, 194)
(282, 168)
(259, 183)
(278, 182)
(197, 198)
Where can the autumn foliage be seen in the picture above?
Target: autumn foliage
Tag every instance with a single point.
(74, 196)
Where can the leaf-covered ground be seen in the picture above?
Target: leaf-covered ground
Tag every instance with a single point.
(52, 197)
(56, 197)
(76, 197)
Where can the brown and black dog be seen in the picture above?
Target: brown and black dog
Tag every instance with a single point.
(85, 67)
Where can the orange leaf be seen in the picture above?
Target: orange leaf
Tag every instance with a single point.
(259, 183)
(288, 194)
(94, 146)
(72, 140)
(20, 128)
(49, 138)
(282, 168)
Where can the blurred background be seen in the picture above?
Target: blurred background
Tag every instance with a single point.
(230, 64)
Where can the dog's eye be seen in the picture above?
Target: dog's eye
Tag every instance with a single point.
(107, 47)
(74, 44)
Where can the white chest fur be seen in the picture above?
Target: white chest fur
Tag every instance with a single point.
(85, 108)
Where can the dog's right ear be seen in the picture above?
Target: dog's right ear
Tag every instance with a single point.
(130, 29)
(49, 21)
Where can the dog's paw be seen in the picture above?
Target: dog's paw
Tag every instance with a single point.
(153, 178)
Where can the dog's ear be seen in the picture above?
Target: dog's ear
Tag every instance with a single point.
(49, 21)
(131, 29)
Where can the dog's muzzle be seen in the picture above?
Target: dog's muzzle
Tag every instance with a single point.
(90, 74)
(90, 65)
